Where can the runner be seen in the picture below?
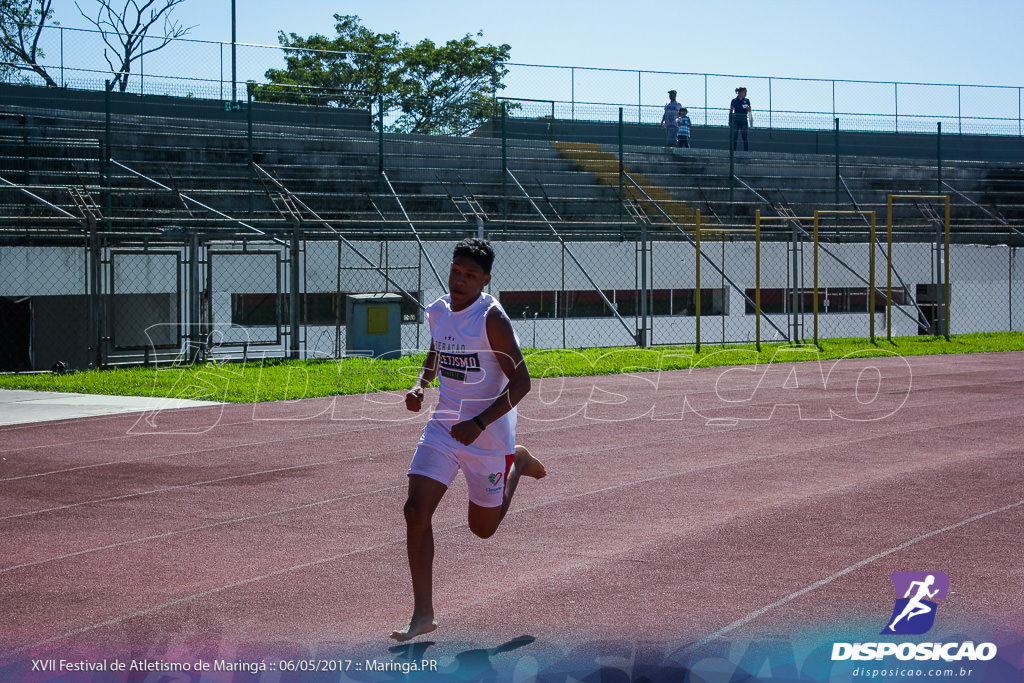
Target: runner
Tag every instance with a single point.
(482, 377)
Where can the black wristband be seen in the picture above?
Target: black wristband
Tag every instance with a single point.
(479, 423)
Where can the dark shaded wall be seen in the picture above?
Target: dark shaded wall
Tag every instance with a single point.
(186, 108)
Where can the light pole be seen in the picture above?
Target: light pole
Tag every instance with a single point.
(234, 63)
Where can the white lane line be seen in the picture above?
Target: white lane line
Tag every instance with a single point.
(204, 527)
(165, 489)
(838, 575)
(197, 451)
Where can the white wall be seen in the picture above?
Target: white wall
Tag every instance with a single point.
(984, 280)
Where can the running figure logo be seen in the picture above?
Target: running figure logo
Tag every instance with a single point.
(914, 612)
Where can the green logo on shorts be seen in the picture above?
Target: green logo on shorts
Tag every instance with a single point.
(494, 478)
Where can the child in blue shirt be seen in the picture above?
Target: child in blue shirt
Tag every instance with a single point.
(684, 128)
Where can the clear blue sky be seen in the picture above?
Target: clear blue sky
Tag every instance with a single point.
(881, 41)
(933, 41)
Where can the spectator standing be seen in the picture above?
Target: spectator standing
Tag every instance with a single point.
(670, 119)
(739, 115)
(684, 128)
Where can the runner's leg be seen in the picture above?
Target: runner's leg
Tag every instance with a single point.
(484, 521)
(424, 495)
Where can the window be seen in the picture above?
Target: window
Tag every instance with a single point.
(528, 304)
(585, 304)
(588, 303)
(258, 310)
(830, 300)
(319, 308)
(684, 302)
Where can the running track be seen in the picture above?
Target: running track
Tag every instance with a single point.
(693, 522)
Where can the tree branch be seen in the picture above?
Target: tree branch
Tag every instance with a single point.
(126, 37)
(17, 18)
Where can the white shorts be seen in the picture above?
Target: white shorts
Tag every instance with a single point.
(442, 459)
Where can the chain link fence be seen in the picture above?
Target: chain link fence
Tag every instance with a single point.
(243, 310)
(137, 230)
(73, 58)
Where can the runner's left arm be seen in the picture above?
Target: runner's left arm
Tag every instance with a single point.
(510, 358)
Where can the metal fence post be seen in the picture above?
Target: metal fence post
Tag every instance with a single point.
(565, 307)
(795, 307)
(896, 105)
(888, 270)
(1012, 253)
(220, 47)
(837, 161)
(639, 98)
(641, 338)
(248, 114)
(757, 278)
(938, 155)
(195, 337)
(622, 172)
(871, 276)
(814, 301)
(705, 99)
(947, 291)
(234, 60)
(107, 198)
(697, 291)
(294, 300)
(380, 144)
(95, 295)
(504, 169)
(572, 93)
(732, 168)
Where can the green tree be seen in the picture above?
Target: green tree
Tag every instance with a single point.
(450, 89)
(423, 88)
(21, 26)
(355, 69)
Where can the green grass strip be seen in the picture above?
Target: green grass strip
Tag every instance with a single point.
(276, 380)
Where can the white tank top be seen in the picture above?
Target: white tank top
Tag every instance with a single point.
(468, 371)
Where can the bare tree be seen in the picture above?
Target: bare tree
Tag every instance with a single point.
(124, 31)
(21, 24)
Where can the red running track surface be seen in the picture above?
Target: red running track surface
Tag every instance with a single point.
(690, 520)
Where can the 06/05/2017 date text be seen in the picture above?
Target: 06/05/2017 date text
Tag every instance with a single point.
(356, 665)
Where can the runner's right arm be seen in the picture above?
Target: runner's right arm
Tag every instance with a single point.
(428, 373)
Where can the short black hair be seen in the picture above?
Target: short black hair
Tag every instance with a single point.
(479, 250)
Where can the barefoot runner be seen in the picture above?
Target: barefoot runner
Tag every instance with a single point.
(483, 376)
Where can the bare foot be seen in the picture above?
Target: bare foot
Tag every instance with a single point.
(528, 465)
(415, 627)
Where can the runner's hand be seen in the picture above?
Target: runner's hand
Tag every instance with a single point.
(465, 432)
(414, 399)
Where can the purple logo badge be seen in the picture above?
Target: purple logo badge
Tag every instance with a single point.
(917, 596)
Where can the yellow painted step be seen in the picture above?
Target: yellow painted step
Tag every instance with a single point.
(590, 158)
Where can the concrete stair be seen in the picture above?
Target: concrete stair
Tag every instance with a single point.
(590, 158)
(335, 171)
